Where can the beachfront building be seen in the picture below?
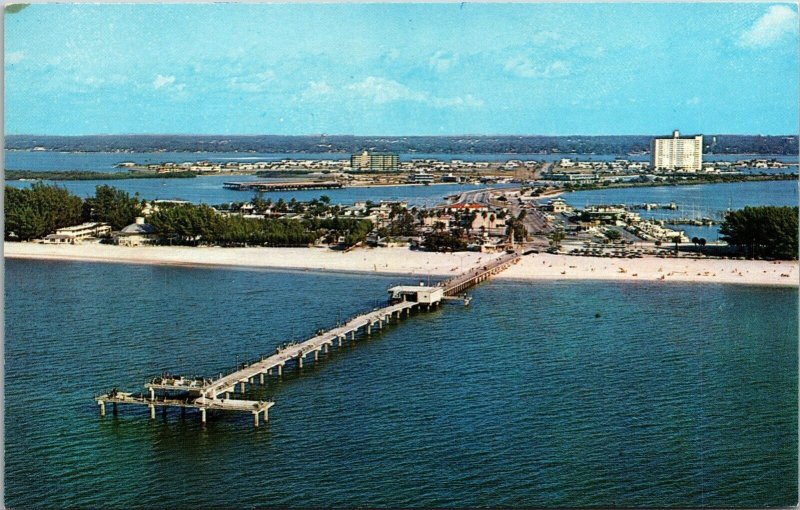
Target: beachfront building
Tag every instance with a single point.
(375, 162)
(677, 153)
(557, 205)
(78, 233)
(419, 177)
(135, 234)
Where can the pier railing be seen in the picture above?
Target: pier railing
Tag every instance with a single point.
(215, 394)
(455, 286)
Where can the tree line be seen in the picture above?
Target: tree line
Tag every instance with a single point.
(35, 212)
(188, 224)
(508, 144)
(764, 231)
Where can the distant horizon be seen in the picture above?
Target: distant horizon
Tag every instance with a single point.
(242, 135)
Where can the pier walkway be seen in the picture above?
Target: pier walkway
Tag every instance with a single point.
(462, 282)
(215, 394)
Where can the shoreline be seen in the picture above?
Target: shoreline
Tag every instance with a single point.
(403, 262)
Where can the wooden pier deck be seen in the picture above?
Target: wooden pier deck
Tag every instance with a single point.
(206, 394)
(460, 283)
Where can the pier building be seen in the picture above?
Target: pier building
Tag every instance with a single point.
(229, 392)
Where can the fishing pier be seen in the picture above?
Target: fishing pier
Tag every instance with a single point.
(228, 392)
(460, 283)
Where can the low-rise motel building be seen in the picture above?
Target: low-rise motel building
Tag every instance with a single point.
(677, 153)
(78, 233)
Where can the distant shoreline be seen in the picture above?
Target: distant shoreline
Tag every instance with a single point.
(505, 144)
(418, 264)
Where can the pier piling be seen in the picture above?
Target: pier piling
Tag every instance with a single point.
(204, 394)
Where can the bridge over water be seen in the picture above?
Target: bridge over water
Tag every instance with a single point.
(219, 394)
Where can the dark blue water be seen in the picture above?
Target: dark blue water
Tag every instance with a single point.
(105, 161)
(701, 198)
(694, 202)
(209, 190)
(680, 395)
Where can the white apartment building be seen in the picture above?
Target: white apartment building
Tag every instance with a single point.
(684, 153)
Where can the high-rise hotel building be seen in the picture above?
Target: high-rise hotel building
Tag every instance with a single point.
(375, 161)
(684, 153)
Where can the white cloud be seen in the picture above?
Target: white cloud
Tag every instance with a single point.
(468, 101)
(161, 81)
(523, 67)
(383, 90)
(15, 57)
(777, 23)
(253, 83)
(442, 61)
(316, 89)
(693, 101)
(88, 80)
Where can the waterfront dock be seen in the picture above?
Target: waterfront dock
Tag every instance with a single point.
(220, 394)
(281, 186)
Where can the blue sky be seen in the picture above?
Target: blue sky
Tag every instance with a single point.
(402, 69)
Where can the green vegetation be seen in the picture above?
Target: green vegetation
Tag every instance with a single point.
(112, 206)
(193, 225)
(35, 212)
(444, 241)
(504, 144)
(354, 230)
(403, 224)
(765, 231)
(515, 225)
(613, 235)
(16, 175)
(32, 213)
(556, 238)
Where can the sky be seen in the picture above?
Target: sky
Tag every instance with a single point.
(402, 69)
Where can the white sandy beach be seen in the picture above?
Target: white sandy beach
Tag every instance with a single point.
(565, 267)
(362, 260)
(417, 263)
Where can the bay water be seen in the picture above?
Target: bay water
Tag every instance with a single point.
(537, 394)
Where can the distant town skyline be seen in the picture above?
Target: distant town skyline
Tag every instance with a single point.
(402, 69)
